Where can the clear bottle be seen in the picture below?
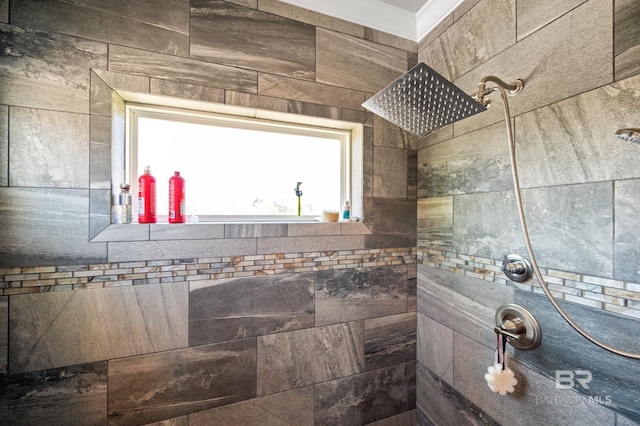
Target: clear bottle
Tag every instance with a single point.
(124, 204)
(346, 211)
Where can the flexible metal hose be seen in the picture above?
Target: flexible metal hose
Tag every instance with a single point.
(525, 232)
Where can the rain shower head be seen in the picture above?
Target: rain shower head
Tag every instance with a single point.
(421, 101)
(629, 135)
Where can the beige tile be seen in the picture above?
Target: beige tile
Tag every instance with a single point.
(627, 38)
(535, 14)
(435, 347)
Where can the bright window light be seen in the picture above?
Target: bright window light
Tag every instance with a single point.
(238, 168)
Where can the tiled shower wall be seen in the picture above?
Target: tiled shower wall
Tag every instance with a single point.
(196, 324)
(580, 61)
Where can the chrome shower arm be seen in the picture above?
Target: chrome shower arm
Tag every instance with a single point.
(510, 89)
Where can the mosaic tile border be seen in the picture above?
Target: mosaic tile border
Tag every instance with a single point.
(620, 297)
(64, 278)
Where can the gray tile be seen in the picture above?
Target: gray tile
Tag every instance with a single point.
(4, 11)
(435, 222)
(4, 145)
(4, 334)
(435, 347)
(245, 307)
(314, 110)
(157, 65)
(186, 91)
(464, 7)
(124, 82)
(347, 61)
(43, 237)
(362, 398)
(353, 294)
(390, 40)
(163, 385)
(408, 418)
(304, 357)
(391, 216)
(314, 229)
(390, 172)
(293, 408)
(255, 230)
(306, 244)
(186, 231)
(626, 230)
(176, 421)
(256, 101)
(70, 395)
(38, 158)
(230, 34)
(160, 27)
(152, 250)
(627, 38)
(389, 340)
(100, 152)
(99, 214)
(533, 15)
(100, 97)
(51, 330)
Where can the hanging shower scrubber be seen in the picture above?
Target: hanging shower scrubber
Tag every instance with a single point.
(501, 378)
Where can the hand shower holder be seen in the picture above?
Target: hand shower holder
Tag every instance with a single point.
(519, 327)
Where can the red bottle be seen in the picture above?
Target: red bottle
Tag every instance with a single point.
(147, 197)
(176, 199)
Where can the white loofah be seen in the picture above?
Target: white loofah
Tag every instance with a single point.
(501, 381)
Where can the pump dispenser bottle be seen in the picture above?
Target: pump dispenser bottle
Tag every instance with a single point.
(147, 197)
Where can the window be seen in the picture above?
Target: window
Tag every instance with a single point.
(238, 168)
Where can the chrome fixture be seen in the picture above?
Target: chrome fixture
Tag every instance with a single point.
(422, 100)
(519, 327)
(629, 135)
(517, 268)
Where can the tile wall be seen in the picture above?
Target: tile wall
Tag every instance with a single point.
(580, 61)
(196, 324)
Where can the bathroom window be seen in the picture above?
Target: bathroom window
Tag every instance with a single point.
(238, 168)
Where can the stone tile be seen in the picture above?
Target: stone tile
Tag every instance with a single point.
(389, 340)
(306, 244)
(51, 330)
(311, 17)
(4, 334)
(185, 231)
(124, 82)
(154, 250)
(390, 172)
(176, 421)
(187, 91)
(471, 362)
(626, 249)
(464, 7)
(353, 294)
(440, 404)
(435, 33)
(230, 34)
(627, 38)
(304, 357)
(123, 232)
(256, 101)
(435, 347)
(38, 159)
(167, 67)
(391, 216)
(34, 236)
(408, 418)
(143, 24)
(573, 141)
(314, 110)
(163, 385)
(307, 91)
(49, 71)
(99, 151)
(238, 308)
(70, 395)
(412, 174)
(314, 229)
(4, 11)
(412, 294)
(293, 408)
(390, 40)
(559, 72)
(533, 15)
(99, 215)
(255, 230)
(362, 398)
(4, 145)
(354, 228)
(562, 348)
(101, 96)
(435, 222)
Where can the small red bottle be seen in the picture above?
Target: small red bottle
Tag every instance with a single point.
(176, 199)
(147, 197)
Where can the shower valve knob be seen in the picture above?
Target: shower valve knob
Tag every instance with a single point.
(517, 268)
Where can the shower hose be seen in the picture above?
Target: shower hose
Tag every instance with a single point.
(534, 263)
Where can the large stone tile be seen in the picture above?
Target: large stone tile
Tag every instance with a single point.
(304, 357)
(389, 340)
(75, 395)
(237, 308)
(49, 71)
(100, 152)
(230, 34)
(4, 145)
(573, 141)
(389, 172)
(615, 379)
(347, 61)
(163, 385)
(196, 92)
(435, 222)
(362, 398)
(627, 38)
(4, 334)
(435, 347)
(46, 227)
(535, 14)
(391, 216)
(535, 400)
(48, 149)
(292, 408)
(307, 244)
(161, 27)
(49, 330)
(408, 418)
(171, 249)
(168, 67)
(4, 11)
(626, 247)
(353, 294)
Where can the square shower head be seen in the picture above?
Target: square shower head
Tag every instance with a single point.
(421, 101)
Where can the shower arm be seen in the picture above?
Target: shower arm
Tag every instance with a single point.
(510, 90)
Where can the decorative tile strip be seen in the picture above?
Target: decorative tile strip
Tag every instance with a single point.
(78, 277)
(611, 295)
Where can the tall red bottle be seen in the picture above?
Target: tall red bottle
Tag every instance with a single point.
(147, 197)
(176, 199)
